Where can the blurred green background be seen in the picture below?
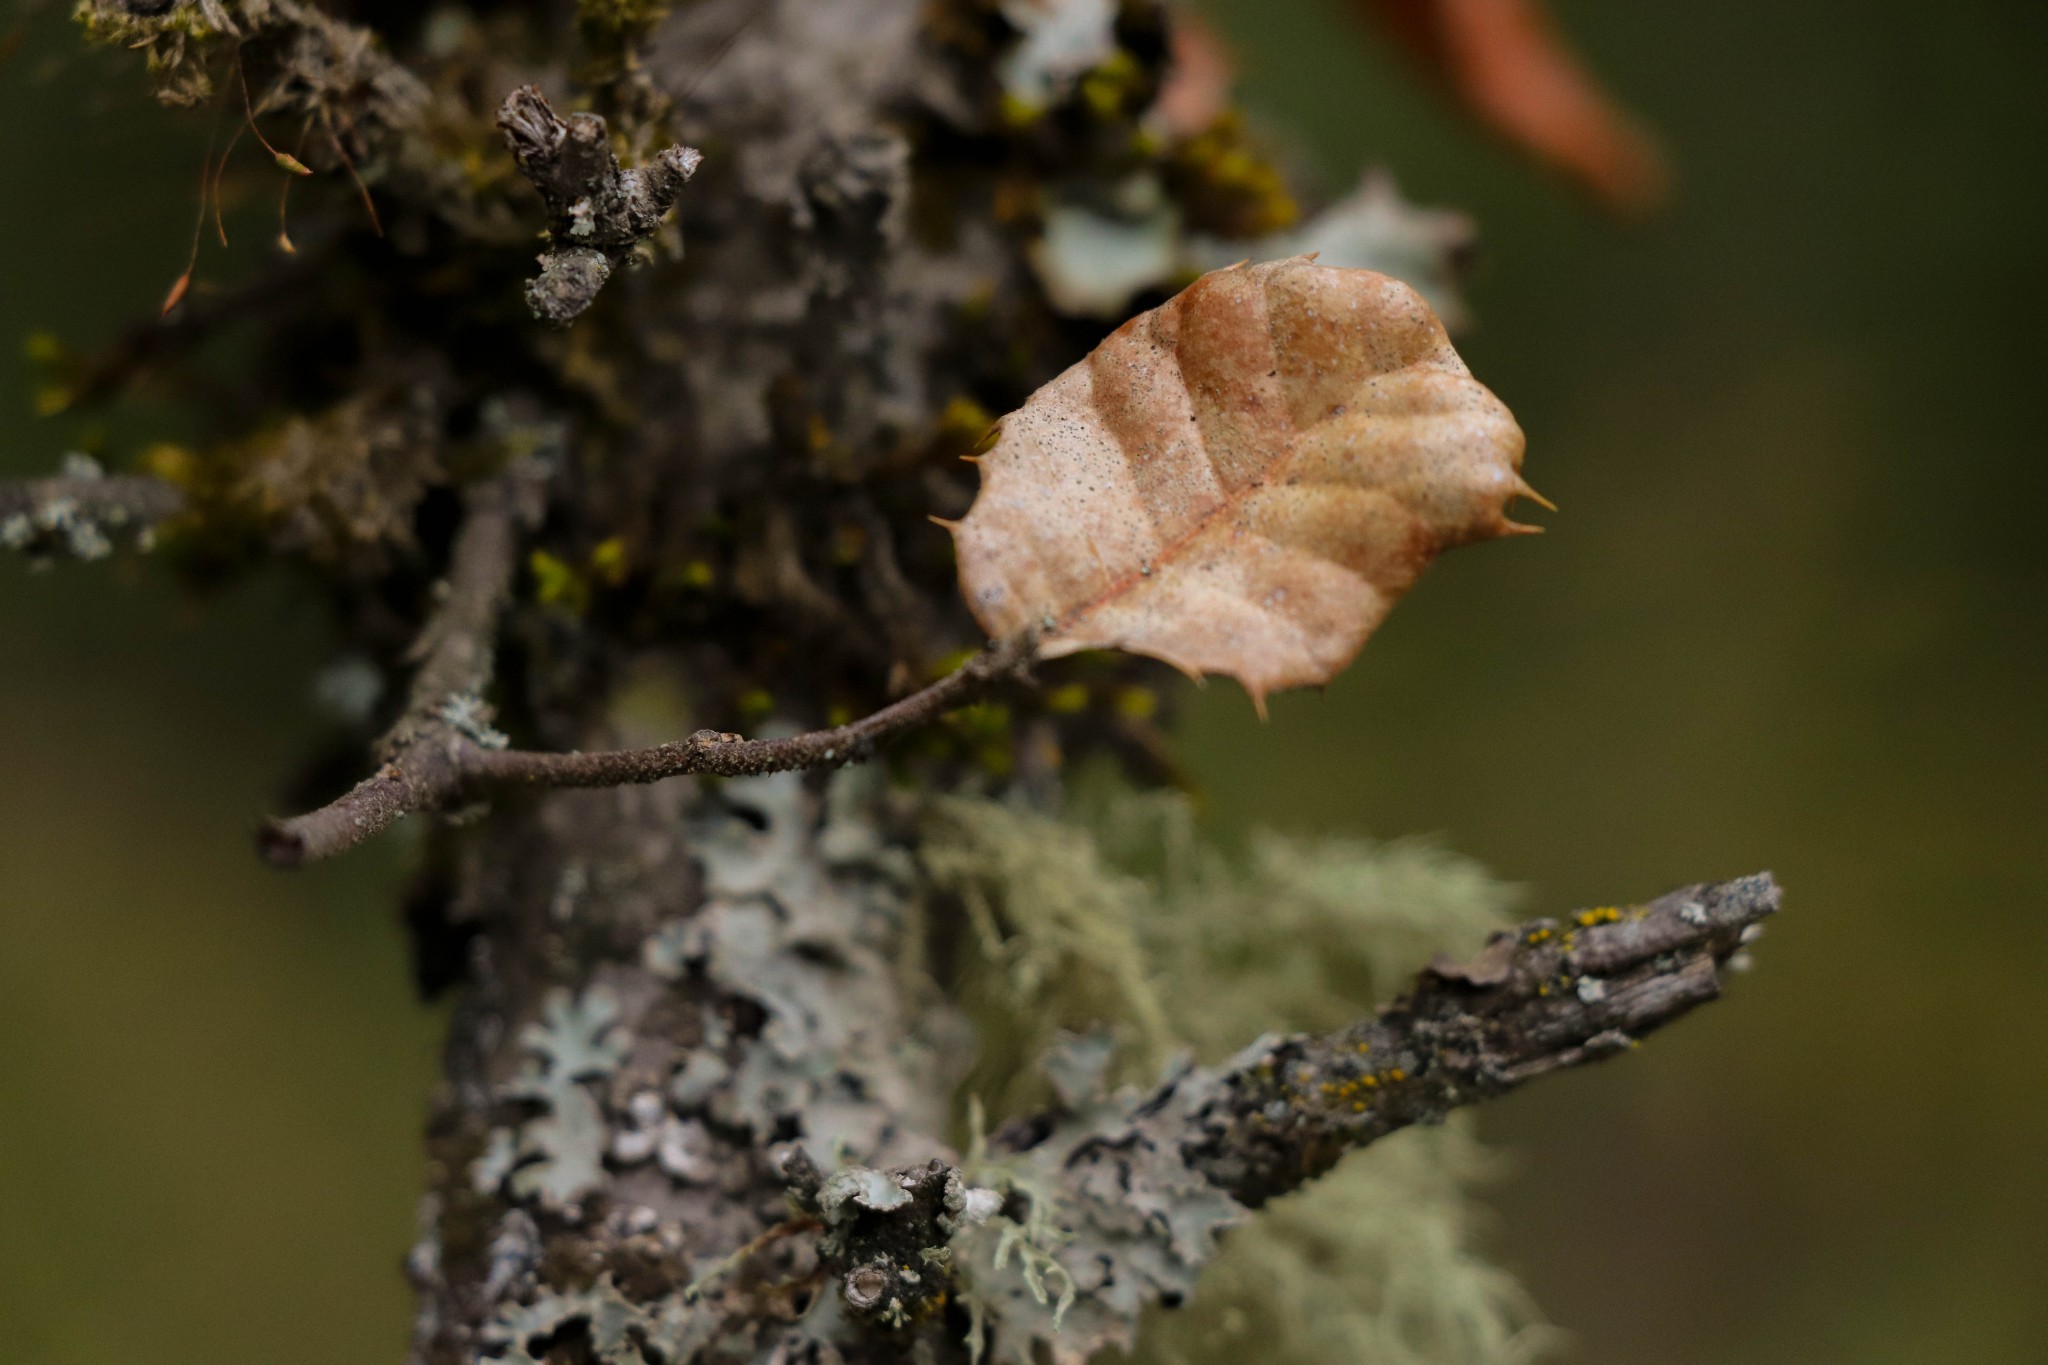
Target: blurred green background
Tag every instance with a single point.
(1793, 614)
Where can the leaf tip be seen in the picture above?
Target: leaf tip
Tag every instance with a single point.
(176, 294)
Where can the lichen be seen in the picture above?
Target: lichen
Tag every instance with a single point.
(1053, 945)
(1375, 1261)
(617, 1327)
(1115, 1219)
(1372, 228)
(1059, 42)
(563, 1148)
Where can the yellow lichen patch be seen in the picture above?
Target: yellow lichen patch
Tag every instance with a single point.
(818, 434)
(950, 662)
(1605, 914)
(610, 562)
(1070, 699)
(44, 348)
(171, 463)
(1227, 184)
(1113, 89)
(1137, 703)
(963, 426)
(557, 584)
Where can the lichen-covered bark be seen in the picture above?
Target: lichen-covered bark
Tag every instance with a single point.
(669, 997)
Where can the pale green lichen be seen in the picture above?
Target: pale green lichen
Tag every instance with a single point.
(1297, 934)
(1075, 920)
(674, 1329)
(563, 1148)
(575, 1038)
(1059, 42)
(1054, 945)
(806, 944)
(1097, 251)
(1373, 1263)
(862, 1185)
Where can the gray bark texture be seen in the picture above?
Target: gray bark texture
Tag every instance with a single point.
(698, 1102)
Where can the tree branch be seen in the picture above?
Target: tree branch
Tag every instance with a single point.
(1540, 998)
(1112, 1203)
(726, 755)
(445, 715)
(597, 211)
(81, 511)
(442, 754)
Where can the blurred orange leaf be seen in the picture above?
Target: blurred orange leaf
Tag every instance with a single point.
(1243, 480)
(1199, 75)
(1507, 62)
(176, 294)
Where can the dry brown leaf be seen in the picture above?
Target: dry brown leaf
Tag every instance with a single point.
(1243, 480)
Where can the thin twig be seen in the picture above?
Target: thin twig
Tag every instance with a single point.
(82, 513)
(444, 714)
(456, 651)
(135, 499)
(724, 755)
(441, 754)
(446, 768)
